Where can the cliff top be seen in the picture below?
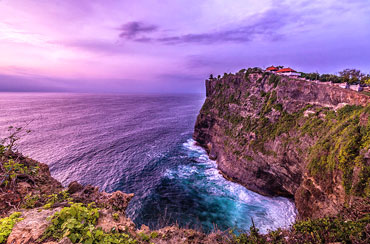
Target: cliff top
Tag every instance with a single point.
(297, 89)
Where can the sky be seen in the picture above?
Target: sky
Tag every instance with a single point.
(171, 46)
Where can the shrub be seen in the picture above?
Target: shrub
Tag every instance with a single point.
(274, 79)
(30, 200)
(252, 237)
(62, 196)
(341, 139)
(334, 229)
(78, 223)
(13, 168)
(115, 216)
(7, 224)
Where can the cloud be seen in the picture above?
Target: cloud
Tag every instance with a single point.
(132, 29)
(283, 19)
(266, 26)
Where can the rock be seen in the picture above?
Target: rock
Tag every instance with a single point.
(74, 187)
(31, 227)
(144, 229)
(119, 200)
(23, 188)
(120, 222)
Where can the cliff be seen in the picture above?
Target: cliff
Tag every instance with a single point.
(280, 136)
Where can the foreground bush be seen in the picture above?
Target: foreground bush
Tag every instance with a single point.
(7, 224)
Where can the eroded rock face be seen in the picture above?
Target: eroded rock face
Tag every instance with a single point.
(117, 200)
(108, 221)
(276, 164)
(32, 227)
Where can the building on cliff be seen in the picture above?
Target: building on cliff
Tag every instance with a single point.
(288, 72)
(272, 69)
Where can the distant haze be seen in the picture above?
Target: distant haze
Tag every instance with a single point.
(171, 46)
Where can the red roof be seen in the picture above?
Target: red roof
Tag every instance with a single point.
(286, 70)
(272, 68)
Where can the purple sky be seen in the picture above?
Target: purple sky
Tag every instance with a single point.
(172, 45)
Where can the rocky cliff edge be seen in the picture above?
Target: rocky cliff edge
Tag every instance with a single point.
(282, 136)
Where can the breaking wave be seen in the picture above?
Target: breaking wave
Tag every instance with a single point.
(236, 205)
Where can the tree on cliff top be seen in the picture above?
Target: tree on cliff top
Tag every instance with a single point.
(351, 75)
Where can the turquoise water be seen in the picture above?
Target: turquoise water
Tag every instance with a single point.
(231, 204)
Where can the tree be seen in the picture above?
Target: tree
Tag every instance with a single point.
(351, 75)
(324, 77)
(366, 79)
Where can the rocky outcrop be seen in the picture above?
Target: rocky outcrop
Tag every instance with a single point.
(32, 227)
(114, 201)
(262, 129)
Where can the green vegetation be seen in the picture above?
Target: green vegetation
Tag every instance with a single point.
(7, 224)
(154, 235)
(323, 230)
(352, 76)
(367, 93)
(115, 216)
(342, 142)
(62, 196)
(78, 223)
(253, 236)
(334, 229)
(30, 200)
(12, 169)
(274, 79)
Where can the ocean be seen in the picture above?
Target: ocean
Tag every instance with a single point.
(139, 144)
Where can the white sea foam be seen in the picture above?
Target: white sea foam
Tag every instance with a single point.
(268, 213)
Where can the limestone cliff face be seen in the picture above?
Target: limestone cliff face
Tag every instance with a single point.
(264, 132)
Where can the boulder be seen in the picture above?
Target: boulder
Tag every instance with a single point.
(74, 187)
